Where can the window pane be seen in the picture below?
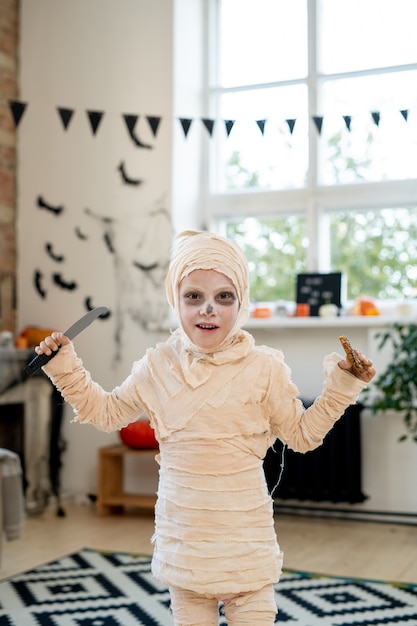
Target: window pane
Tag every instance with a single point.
(365, 34)
(377, 250)
(276, 253)
(263, 41)
(369, 152)
(276, 159)
(369, 133)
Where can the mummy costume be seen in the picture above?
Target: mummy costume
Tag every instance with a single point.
(215, 413)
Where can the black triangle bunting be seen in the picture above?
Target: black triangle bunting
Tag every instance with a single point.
(228, 126)
(186, 124)
(209, 124)
(291, 124)
(95, 118)
(17, 109)
(318, 121)
(153, 123)
(261, 125)
(65, 115)
(130, 121)
(347, 120)
(376, 116)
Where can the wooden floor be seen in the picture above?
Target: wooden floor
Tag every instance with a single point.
(329, 546)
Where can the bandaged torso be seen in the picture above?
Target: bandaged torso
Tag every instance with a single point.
(215, 417)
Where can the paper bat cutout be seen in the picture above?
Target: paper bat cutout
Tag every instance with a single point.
(130, 121)
(109, 243)
(90, 307)
(49, 207)
(58, 280)
(50, 250)
(80, 234)
(102, 218)
(37, 279)
(145, 268)
(127, 179)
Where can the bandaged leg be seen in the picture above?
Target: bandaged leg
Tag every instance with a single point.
(192, 609)
(255, 607)
(247, 609)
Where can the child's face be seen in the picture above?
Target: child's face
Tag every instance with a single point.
(208, 307)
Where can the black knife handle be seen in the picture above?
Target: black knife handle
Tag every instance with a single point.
(38, 361)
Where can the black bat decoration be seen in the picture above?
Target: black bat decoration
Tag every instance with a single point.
(56, 257)
(80, 234)
(145, 268)
(102, 218)
(130, 123)
(49, 207)
(90, 307)
(38, 284)
(108, 242)
(127, 179)
(58, 280)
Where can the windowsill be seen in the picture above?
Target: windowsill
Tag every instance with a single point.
(288, 323)
(344, 321)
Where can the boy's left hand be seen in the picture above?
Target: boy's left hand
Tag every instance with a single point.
(366, 373)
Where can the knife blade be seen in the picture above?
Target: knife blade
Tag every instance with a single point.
(81, 324)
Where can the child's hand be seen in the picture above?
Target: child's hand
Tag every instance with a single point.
(366, 373)
(52, 343)
(355, 362)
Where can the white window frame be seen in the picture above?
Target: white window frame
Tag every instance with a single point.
(313, 200)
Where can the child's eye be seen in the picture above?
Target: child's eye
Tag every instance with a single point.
(192, 295)
(226, 297)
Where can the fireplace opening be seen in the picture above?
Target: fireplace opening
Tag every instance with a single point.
(12, 431)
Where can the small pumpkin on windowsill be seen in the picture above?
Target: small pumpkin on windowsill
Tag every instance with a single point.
(328, 310)
(139, 435)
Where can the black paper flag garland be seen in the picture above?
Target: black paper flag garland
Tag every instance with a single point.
(95, 118)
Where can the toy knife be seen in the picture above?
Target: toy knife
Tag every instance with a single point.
(41, 359)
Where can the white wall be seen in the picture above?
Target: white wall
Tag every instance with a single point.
(115, 57)
(119, 57)
(388, 466)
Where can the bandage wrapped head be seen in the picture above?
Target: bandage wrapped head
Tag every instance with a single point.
(194, 250)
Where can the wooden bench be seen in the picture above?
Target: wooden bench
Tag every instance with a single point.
(111, 497)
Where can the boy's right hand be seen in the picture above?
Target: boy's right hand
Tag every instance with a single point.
(52, 343)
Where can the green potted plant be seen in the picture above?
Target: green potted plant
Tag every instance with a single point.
(395, 389)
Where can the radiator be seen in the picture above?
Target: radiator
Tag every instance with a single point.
(331, 473)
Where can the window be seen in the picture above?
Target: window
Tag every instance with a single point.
(377, 249)
(261, 78)
(317, 170)
(275, 249)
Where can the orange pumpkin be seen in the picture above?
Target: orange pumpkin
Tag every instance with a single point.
(139, 435)
(365, 306)
(35, 335)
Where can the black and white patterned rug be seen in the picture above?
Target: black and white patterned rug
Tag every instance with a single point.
(91, 588)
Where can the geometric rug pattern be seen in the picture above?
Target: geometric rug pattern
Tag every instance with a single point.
(91, 588)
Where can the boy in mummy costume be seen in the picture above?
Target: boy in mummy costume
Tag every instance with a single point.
(216, 402)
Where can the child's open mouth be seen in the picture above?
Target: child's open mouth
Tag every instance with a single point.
(207, 326)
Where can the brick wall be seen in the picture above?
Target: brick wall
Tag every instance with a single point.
(9, 12)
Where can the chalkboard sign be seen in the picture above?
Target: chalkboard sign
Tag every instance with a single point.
(318, 289)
